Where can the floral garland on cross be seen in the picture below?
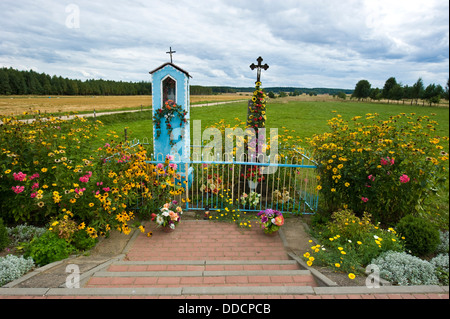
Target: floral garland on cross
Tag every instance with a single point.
(168, 111)
(258, 117)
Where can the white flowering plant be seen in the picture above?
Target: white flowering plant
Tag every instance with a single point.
(251, 199)
(169, 215)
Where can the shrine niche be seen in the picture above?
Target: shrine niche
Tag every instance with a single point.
(171, 114)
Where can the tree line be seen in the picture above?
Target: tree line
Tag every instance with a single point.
(15, 82)
(395, 91)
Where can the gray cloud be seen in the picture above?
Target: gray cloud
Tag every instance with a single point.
(306, 43)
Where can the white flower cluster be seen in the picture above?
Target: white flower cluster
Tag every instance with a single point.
(251, 199)
(13, 267)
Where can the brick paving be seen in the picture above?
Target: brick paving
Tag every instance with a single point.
(208, 260)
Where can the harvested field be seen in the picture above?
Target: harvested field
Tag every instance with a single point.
(15, 105)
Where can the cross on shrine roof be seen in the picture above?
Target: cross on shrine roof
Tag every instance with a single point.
(171, 52)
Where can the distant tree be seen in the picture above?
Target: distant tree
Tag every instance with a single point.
(5, 88)
(271, 95)
(342, 95)
(388, 86)
(433, 93)
(362, 90)
(375, 94)
(446, 93)
(396, 92)
(417, 90)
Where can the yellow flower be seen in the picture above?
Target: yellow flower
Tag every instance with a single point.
(359, 243)
(43, 170)
(91, 204)
(309, 263)
(337, 265)
(306, 255)
(343, 252)
(351, 276)
(7, 171)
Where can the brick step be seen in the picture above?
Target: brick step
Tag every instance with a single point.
(203, 265)
(128, 274)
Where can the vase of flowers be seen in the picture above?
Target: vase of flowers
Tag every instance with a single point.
(250, 200)
(271, 221)
(253, 177)
(168, 216)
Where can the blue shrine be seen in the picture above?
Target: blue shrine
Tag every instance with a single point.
(171, 115)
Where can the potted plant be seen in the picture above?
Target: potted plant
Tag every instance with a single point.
(169, 216)
(271, 221)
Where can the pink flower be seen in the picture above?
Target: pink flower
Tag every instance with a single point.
(174, 166)
(18, 189)
(404, 179)
(364, 199)
(371, 177)
(34, 176)
(20, 176)
(33, 195)
(35, 185)
(387, 161)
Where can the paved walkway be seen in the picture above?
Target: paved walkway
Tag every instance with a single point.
(204, 259)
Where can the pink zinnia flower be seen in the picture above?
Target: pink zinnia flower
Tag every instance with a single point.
(18, 189)
(404, 179)
(364, 199)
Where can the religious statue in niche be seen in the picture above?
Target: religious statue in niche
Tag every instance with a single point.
(169, 90)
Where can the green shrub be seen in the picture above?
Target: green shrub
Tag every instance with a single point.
(13, 267)
(82, 241)
(349, 243)
(405, 270)
(4, 238)
(421, 236)
(47, 249)
(24, 233)
(389, 167)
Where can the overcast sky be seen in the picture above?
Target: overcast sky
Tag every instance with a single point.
(307, 43)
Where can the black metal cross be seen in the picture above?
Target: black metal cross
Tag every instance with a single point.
(259, 67)
(170, 52)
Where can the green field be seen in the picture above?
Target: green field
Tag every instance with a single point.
(306, 118)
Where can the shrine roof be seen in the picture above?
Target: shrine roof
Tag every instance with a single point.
(173, 65)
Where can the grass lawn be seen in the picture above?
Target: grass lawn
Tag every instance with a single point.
(306, 118)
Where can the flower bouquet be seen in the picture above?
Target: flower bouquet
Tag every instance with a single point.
(169, 216)
(271, 220)
(251, 199)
